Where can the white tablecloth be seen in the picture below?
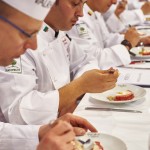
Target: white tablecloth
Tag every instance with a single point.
(132, 128)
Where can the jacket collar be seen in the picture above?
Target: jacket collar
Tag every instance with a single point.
(47, 33)
(89, 11)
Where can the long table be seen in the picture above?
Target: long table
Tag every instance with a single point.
(132, 128)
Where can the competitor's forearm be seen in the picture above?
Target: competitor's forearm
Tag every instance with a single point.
(69, 93)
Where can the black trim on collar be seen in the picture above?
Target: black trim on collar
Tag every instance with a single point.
(68, 37)
(56, 34)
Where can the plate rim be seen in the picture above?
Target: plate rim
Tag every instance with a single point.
(140, 56)
(119, 102)
(106, 135)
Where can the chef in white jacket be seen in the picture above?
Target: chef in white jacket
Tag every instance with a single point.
(128, 17)
(41, 83)
(92, 34)
(136, 4)
(16, 38)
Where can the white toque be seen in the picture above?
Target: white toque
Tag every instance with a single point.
(37, 9)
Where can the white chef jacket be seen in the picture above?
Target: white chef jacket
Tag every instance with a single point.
(134, 4)
(33, 96)
(93, 36)
(128, 17)
(17, 137)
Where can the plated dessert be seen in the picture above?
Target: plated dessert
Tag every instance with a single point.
(144, 52)
(98, 141)
(88, 145)
(123, 95)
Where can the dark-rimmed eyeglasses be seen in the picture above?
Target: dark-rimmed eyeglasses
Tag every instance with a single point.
(16, 27)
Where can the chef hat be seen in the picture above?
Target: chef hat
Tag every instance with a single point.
(37, 9)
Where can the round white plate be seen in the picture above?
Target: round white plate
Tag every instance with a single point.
(136, 51)
(145, 31)
(108, 142)
(139, 93)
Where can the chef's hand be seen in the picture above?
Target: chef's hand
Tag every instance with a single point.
(57, 136)
(146, 8)
(97, 81)
(120, 7)
(79, 124)
(145, 41)
(132, 36)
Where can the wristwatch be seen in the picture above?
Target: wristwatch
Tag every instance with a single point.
(126, 43)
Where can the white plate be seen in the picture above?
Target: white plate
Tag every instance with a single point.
(136, 50)
(139, 93)
(143, 31)
(108, 142)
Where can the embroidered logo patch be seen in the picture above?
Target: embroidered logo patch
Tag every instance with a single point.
(82, 29)
(15, 67)
(45, 29)
(44, 3)
(90, 13)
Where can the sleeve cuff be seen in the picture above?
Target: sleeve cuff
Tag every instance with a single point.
(41, 109)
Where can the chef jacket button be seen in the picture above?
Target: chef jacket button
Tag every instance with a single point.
(44, 53)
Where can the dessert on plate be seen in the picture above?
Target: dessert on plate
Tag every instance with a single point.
(144, 52)
(87, 145)
(122, 96)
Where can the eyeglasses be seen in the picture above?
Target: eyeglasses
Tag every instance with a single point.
(16, 27)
